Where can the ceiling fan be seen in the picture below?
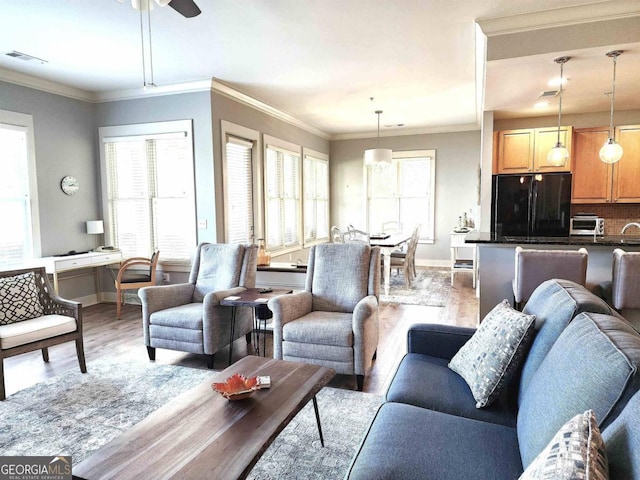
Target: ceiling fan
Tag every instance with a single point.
(186, 8)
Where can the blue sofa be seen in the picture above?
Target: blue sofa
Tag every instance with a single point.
(584, 356)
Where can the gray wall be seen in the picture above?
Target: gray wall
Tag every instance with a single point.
(457, 162)
(64, 131)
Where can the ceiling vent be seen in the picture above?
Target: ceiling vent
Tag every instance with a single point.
(25, 57)
(548, 94)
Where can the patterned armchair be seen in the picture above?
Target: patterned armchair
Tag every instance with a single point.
(334, 321)
(34, 317)
(188, 317)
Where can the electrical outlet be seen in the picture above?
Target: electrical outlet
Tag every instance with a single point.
(202, 223)
(166, 277)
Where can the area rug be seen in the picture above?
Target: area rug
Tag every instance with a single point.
(431, 288)
(75, 414)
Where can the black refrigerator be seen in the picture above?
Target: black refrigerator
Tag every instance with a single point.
(531, 205)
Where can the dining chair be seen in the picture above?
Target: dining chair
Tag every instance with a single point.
(336, 235)
(392, 226)
(132, 276)
(354, 235)
(407, 260)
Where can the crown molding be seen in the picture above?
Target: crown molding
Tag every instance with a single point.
(227, 91)
(137, 93)
(469, 127)
(29, 81)
(559, 17)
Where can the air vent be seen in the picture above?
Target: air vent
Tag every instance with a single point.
(548, 94)
(25, 57)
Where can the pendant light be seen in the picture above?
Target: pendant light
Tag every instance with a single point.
(376, 156)
(559, 154)
(611, 151)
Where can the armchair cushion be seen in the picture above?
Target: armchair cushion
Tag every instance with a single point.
(35, 329)
(19, 298)
(321, 328)
(338, 289)
(219, 268)
(187, 316)
(495, 352)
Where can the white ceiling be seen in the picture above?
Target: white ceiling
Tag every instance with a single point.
(320, 60)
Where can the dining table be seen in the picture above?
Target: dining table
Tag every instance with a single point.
(388, 243)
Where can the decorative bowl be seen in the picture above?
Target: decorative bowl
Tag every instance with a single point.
(236, 387)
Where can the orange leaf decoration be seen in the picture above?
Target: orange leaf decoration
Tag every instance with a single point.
(236, 385)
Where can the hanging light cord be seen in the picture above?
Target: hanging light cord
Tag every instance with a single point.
(153, 84)
(613, 94)
(144, 71)
(560, 101)
(378, 112)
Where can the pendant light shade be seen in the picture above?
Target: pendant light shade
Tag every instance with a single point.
(611, 151)
(377, 156)
(558, 156)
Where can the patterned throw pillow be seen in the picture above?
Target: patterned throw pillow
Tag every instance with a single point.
(19, 298)
(575, 452)
(495, 352)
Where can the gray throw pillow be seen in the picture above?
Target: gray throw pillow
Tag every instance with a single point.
(576, 451)
(19, 298)
(495, 352)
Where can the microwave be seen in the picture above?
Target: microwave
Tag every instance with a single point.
(586, 225)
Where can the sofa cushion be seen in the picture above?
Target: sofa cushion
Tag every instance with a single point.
(408, 442)
(19, 298)
(427, 382)
(494, 353)
(555, 303)
(35, 329)
(592, 365)
(622, 440)
(576, 451)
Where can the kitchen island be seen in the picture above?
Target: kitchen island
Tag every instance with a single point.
(496, 260)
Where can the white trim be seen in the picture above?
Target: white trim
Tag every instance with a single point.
(29, 81)
(468, 127)
(234, 130)
(278, 144)
(221, 88)
(559, 17)
(314, 153)
(170, 89)
(25, 121)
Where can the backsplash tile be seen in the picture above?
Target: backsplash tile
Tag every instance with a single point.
(616, 215)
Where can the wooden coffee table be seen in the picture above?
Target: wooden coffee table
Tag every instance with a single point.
(200, 434)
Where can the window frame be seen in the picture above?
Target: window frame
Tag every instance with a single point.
(23, 121)
(427, 231)
(322, 157)
(144, 130)
(292, 148)
(253, 136)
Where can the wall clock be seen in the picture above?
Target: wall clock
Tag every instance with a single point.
(69, 185)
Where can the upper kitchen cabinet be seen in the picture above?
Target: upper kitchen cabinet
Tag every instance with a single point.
(626, 172)
(597, 182)
(592, 178)
(525, 150)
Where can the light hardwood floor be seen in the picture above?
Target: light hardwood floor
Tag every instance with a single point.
(104, 335)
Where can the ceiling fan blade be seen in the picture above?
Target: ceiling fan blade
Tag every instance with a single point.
(186, 8)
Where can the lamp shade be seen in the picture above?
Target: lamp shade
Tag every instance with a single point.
(95, 227)
(375, 156)
(558, 156)
(611, 151)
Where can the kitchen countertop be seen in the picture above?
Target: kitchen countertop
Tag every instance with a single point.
(578, 240)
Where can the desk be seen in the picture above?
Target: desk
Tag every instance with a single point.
(55, 265)
(251, 297)
(388, 245)
(462, 264)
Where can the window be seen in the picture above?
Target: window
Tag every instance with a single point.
(150, 198)
(241, 191)
(404, 192)
(282, 196)
(315, 175)
(18, 190)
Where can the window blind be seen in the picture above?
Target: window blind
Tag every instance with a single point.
(239, 191)
(15, 210)
(315, 174)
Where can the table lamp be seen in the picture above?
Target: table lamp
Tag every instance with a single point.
(95, 227)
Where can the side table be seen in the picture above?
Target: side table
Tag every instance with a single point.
(256, 298)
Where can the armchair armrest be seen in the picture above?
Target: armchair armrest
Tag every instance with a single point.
(212, 299)
(289, 307)
(365, 310)
(365, 333)
(162, 297)
(442, 341)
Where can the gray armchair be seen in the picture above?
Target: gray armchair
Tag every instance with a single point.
(188, 317)
(334, 321)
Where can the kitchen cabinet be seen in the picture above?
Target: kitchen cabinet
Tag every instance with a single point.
(592, 178)
(626, 172)
(597, 182)
(525, 150)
